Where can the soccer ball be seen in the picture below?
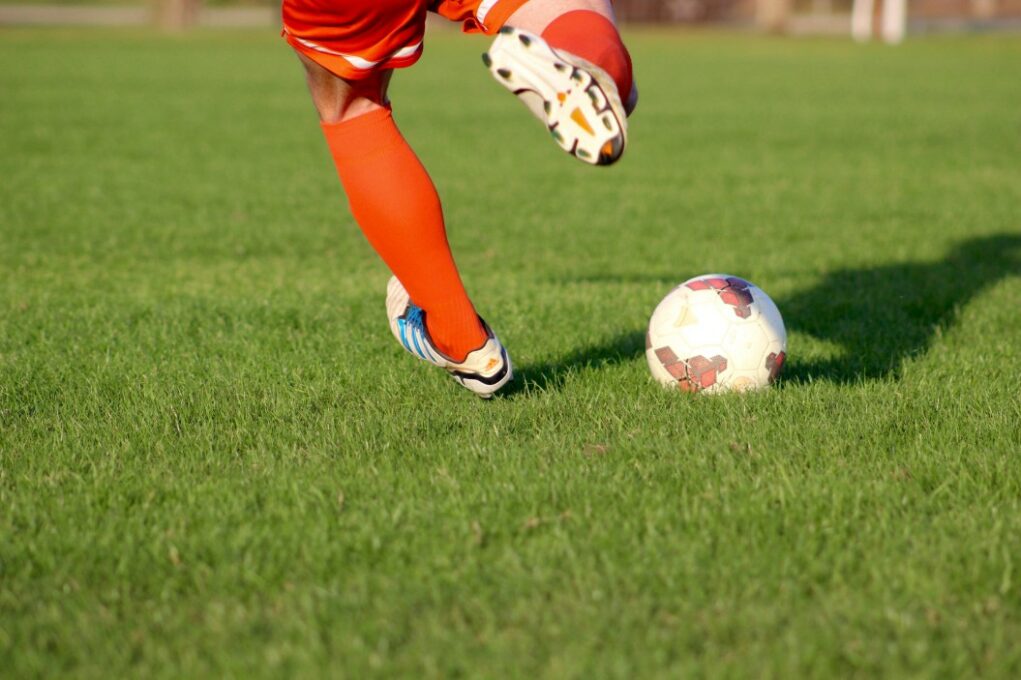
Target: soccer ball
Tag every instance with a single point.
(716, 333)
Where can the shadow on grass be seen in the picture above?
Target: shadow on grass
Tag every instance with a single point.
(878, 316)
(551, 374)
(882, 316)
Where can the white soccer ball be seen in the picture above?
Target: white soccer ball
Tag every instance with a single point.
(716, 333)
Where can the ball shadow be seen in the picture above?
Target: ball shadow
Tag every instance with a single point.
(882, 316)
(548, 375)
(879, 317)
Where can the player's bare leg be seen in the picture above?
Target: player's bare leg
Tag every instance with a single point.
(565, 60)
(535, 16)
(395, 204)
(337, 99)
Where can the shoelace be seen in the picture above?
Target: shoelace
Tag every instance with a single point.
(415, 318)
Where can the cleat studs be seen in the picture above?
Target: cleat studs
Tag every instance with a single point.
(525, 40)
(556, 135)
(582, 153)
(599, 101)
(558, 66)
(546, 107)
(504, 73)
(506, 30)
(486, 59)
(610, 152)
(607, 124)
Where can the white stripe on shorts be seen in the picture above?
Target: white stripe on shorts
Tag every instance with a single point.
(353, 59)
(483, 10)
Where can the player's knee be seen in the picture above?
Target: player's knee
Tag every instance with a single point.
(337, 99)
(348, 109)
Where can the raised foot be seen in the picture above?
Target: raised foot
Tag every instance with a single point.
(576, 100)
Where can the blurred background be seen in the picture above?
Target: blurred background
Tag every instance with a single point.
(891, 20)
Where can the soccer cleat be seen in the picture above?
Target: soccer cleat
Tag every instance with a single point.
(577, 100)
(484, 371)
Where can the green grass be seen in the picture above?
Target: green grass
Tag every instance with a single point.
(215, 461)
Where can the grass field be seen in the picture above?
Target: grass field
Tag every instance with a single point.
(215, 461)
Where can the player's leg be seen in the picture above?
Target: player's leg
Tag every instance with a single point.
(566, 61)
(395, 203)
(338, 99)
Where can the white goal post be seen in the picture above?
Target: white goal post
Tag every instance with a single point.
(893, 21)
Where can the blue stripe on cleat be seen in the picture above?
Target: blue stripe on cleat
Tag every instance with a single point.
(418, 348)
(404, 337)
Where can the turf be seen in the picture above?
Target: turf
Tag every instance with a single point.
(215, 461)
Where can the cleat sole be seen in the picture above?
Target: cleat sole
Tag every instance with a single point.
(576, 101)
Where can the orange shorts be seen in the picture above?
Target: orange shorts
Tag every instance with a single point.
(354, 38)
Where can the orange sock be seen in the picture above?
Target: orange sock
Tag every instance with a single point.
(594, 38)
(395, 203)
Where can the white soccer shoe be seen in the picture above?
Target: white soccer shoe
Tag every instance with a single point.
(577, 100)
(484, 371)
